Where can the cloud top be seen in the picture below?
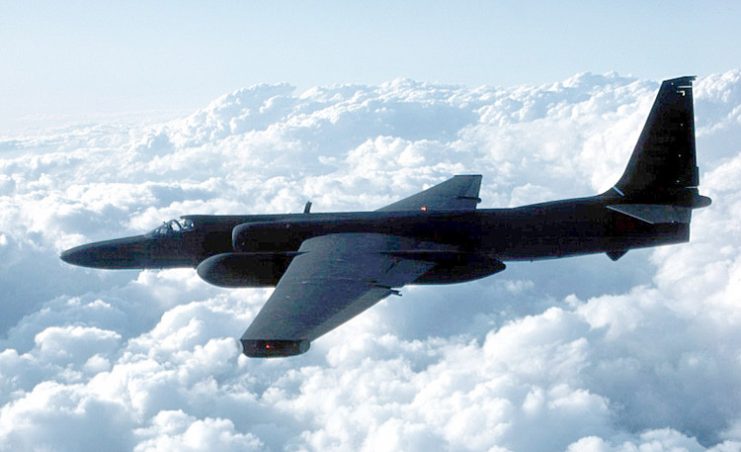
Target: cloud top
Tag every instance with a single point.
(578, 354)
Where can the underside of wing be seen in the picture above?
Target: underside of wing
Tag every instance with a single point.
(334, 278)
(458, 193)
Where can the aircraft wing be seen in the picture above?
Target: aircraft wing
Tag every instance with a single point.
(334, 278)
(457, 193)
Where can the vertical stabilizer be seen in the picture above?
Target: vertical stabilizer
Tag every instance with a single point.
(663, 166)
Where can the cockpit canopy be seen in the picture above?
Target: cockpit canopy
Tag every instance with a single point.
(174, 227)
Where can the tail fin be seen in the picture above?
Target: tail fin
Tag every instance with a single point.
(663, 167)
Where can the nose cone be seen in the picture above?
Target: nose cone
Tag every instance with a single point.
(129, 252)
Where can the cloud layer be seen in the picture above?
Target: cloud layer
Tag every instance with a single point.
(578, 354)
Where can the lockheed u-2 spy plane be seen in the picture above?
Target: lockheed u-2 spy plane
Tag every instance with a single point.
(329, 267)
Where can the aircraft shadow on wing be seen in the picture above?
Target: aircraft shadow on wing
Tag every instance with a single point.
(329, 267)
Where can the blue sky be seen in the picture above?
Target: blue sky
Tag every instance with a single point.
(68, 60)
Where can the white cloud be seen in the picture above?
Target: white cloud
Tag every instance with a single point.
(174, 430)
(578, 354)
(75, 343)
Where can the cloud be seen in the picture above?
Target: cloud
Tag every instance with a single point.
(575, 354)
(174, 430)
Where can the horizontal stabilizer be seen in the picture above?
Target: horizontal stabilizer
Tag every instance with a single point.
(654, 213)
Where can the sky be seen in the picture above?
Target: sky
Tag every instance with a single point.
(80, 59)
(579, 354)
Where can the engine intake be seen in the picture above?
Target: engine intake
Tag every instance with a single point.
(266, 236)
(245, 269)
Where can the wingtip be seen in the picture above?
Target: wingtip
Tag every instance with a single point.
(273, 348)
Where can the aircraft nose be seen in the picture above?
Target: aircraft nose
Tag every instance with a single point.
(74, 256)
(130, 252)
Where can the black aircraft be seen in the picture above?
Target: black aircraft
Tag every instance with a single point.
(329, 267)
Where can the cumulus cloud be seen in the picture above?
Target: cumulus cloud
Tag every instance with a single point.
(576, 354)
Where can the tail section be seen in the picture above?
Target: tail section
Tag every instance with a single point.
(659, 185)
(663, 166)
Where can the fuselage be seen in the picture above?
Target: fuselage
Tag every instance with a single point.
(539, 231)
